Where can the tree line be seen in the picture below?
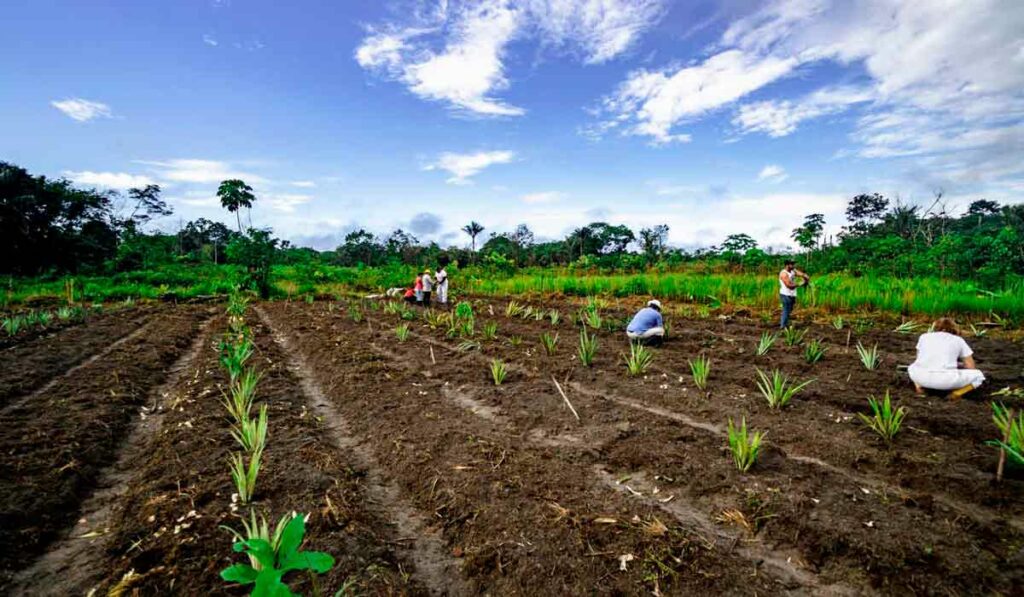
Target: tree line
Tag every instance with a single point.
(50, 226)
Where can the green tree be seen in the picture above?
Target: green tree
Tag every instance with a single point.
(808, 234)
(256, 251)
(473, 229)
(234, 195)
(653, 241)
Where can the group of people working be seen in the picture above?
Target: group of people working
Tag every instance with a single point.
(944, 363)
(425, 285)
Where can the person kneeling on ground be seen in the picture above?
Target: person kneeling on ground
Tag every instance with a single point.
(647, 325)
(939, 354)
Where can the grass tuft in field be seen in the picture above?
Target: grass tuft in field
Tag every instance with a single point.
(777, 389)
(869, 357)
(700, 368)
(745, 447)
(884, 421)
(639, 359)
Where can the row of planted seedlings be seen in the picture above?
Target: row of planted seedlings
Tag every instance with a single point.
(272, 552)
(17, 323)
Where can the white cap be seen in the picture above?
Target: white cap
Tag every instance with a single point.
(654, 303)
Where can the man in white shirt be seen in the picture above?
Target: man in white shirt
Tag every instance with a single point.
(441, 282)
(428, 287)
(939, 355)
(787, 289)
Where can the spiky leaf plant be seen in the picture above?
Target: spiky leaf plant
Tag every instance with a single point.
(907, 327)
(241, 394)
(245, 474)
(588, 348)
(355, 314)
(814, 351)
(499, 371)
(777, 389)
(884, 420)
(274, 564)
(745, 447)
(700, 368)
(838, 322)
(513, 309)
(639, 359)
(402, 332)
(259, 528)
(869, 357)
(251, 434)
(792, 336)
(554, 316)
(549, 342)
(765, 343)
(1012, 429)
(490, 331)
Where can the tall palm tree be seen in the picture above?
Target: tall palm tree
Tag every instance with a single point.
(473, 229)
(234, 195)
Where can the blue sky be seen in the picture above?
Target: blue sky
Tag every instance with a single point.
(712, 117)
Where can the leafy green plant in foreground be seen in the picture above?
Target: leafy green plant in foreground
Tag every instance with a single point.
(745, 447)
(884, 421)
(869, 357)
(639, 359)
(777, 389)
(549, 342)
(588, 348)
(274, 564)
(814, 351)
(1011, 433)
(402, 332)
(490, 331)
(355, 314)
(765, 343)
(793, 336)
(700, 368)
(499, 371)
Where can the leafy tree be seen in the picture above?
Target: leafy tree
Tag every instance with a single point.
(653, 241)
(864, 210)
(808, 234)
(738, 243)
(146, 205)
(257, 252)
(234, 195)
(473, 229)
(360, 247)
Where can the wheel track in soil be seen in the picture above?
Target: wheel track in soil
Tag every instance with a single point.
(70, 565)
(966, 510)
(778, 562)
(18, 402)
(434, 567)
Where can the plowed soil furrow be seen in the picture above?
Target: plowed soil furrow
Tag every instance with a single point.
(820, 507)
(52, 449)
(31, 364)
(169, 534)
(74, 564)
(525, 518)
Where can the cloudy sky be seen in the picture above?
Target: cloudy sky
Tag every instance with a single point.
(714, 117)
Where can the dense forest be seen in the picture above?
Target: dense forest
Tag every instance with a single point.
(50, 227)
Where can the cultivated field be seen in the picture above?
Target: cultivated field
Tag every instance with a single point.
(422, 476)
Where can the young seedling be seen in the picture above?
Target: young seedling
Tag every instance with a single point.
(245, 475)
(700, 368)
(64, 313)
(513, 309)
(251, 434)
(490, 331)
(1011, 431)
(402, 332)
(907, 327)
(884, 421)
(241, 394)
(978, 332)
(234, 354)
(467, 345)
(392, 308)
(554, 316)
(792, 336)
(777, 389)
(639, 359)
(355, 314)
(814, 351)
(515, 341)
(549, 342)
(539, 315)
(588, 348)
(254, 528)
(838, 322)
(869, 357)
(498, 371)
(765, 343)
(274, 564)
(744, 446)
(667, 326)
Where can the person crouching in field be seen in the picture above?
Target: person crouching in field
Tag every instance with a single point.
(787, 289)
(647, 325)
(940, 353)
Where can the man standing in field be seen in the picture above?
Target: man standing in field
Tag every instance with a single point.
(787, 289)
(428, 287)
(441, 282)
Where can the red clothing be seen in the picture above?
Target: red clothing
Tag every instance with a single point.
(419, 283)
(409, 293)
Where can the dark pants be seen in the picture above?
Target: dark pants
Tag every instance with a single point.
(788, 302)
(426, 298)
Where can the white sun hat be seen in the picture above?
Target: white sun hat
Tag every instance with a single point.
(654, 303)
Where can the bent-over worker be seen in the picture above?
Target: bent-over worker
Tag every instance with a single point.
(940, 354)
(647, 326)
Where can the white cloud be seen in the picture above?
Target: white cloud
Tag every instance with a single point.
(773, 173)
(455, 54)
(199, 171)
(652, 103)
(304, 184)
(108, 180)
(542, 197)
(600, 29)
(778, 118)
(210, 40)
(285, 202)
(463, 166)
(82, 110)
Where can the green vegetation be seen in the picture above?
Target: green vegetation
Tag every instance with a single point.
(549, 342)
(765, 343)
(814, 351)
(489, 331)
(588, 348)
(700, 368)
(791, 336)
(499, 371)
(402, 332)
(1011, 431)
(745, 447)
(777, 389)
(639, 359)
(869, 357)
(269, 563)
(884, 421)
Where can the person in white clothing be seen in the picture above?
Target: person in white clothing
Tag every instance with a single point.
(428, 287)
(945, 362)
(441, 284)
(787, 289)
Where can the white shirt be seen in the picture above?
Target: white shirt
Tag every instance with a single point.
(442, 279)
(428, 283)
(786, 290)
(938, 351)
